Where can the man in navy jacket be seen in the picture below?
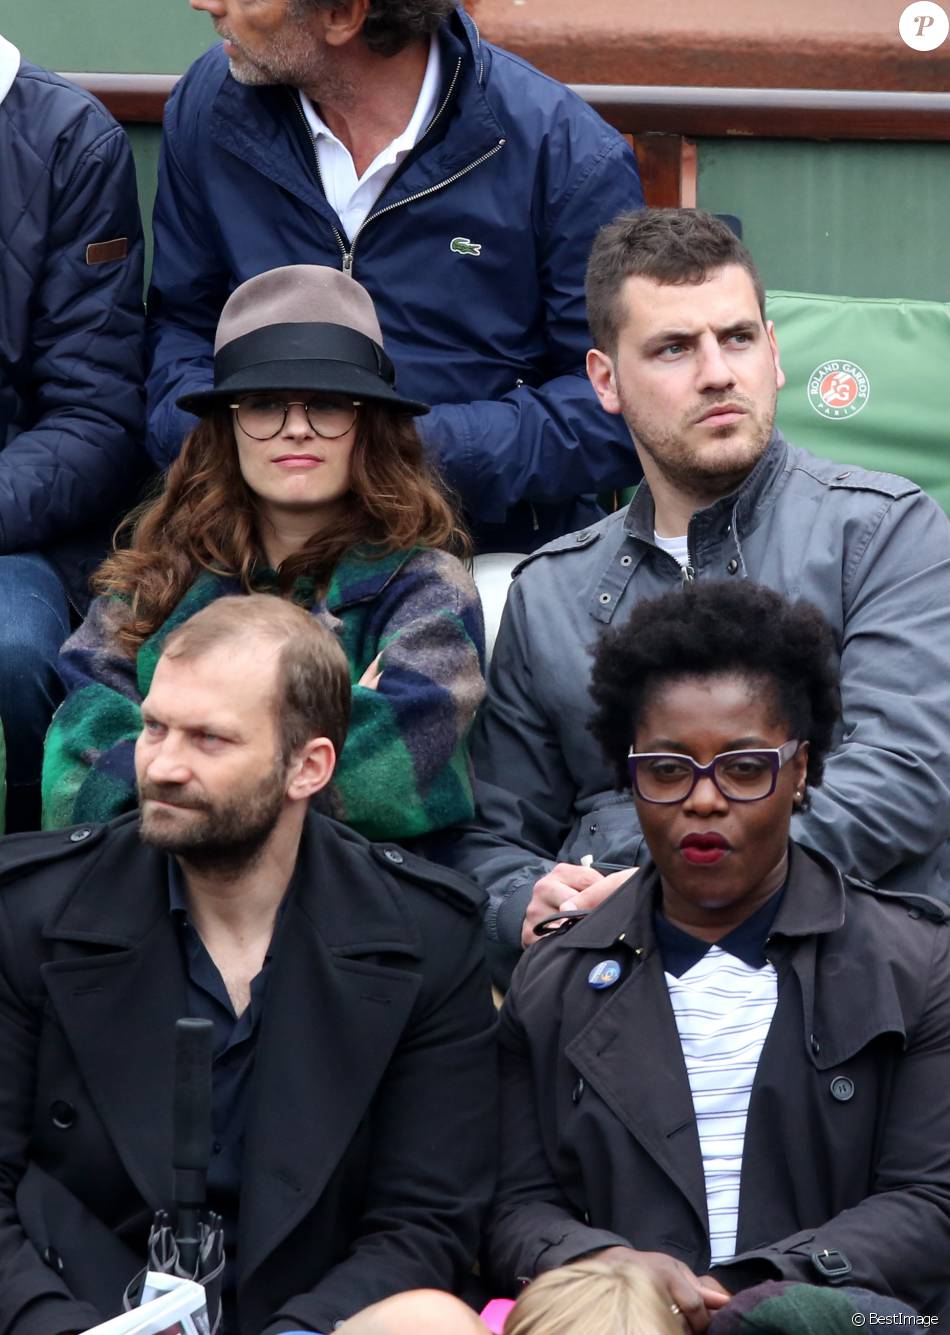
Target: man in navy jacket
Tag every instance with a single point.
(458, 184)
(72, 410)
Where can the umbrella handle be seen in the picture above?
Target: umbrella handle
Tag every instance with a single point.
(191, 1146)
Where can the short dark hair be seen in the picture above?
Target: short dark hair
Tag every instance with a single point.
(716, 628)
(668, 245)
(391, 24)
(313, 675)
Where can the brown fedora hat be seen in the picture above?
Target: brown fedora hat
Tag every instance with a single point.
(303, 327)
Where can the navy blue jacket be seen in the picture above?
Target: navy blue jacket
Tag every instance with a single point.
(72, 411)
(515, 165)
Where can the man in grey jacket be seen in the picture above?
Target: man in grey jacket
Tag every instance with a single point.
(684, 353)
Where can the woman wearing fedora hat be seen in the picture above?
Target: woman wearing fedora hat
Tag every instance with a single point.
(304, 476)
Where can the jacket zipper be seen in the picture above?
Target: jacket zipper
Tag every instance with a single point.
(347, 255)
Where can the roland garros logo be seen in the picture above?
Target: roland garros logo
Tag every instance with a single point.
(838, 389)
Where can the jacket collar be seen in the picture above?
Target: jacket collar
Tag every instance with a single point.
(266, 128)
(813, 905)
(743, 509)
(331, 857)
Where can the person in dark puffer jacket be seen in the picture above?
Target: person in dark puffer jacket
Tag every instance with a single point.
(71, 397)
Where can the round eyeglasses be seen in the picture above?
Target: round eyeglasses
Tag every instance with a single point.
(741, 776)
(262, 416)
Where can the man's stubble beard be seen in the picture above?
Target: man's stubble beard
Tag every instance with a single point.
(293, 59)
(705, 474)
(228, 838)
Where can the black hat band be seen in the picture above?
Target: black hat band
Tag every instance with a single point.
(302, 342)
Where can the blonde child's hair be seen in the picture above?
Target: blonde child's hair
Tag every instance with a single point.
(594, 1297)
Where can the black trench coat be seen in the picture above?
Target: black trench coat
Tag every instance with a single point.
(368, 1153)
(847, 1142)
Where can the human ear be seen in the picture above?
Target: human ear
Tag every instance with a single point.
(311, 769)
(344, 21)
(773, 342)
(800, 770)
(602, 375)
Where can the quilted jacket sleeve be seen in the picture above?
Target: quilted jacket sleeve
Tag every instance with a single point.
(81, 450)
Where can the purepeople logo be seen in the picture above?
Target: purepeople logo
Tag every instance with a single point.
(924, 25)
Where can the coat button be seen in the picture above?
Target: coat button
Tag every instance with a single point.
(53, 1259)
(603, 599)
(582, 536)
(62, 1114)
(842, 1088)
(626, 560)
(78, 836)
(733, 566)
(814, 1045)
(393, 855)
(577, 1091)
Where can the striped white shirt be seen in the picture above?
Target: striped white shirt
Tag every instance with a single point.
(723, 1009)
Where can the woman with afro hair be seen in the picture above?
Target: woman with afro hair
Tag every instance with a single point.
(737, 1068)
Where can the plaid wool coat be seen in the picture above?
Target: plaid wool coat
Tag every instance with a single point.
(404, 770)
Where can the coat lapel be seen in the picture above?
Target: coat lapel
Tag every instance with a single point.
(117, 986)
(649, 1093)
(844, 1004)
(333, 1019)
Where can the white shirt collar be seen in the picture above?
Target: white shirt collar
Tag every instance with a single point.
(9, 64)
(422, 114)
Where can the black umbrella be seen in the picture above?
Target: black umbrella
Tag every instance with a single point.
(191, 1246)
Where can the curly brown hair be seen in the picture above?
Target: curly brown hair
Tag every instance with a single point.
(205, 518)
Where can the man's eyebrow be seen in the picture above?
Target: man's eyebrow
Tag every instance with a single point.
(668, 336)
(665, 336)
(738, 327)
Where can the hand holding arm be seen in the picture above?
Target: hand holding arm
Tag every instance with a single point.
(404, 770)
(569, 887)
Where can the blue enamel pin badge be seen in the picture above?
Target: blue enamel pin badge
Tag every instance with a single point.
(604, 974)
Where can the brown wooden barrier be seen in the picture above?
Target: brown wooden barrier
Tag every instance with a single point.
(663, 120)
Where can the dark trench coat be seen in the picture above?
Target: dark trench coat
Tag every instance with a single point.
(847, 1142)
(367, 1166)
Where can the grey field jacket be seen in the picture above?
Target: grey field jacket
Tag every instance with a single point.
(869, 549)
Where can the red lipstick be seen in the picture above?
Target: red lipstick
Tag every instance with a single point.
(704, 850)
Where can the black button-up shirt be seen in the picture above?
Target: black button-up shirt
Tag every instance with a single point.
(233, 1046)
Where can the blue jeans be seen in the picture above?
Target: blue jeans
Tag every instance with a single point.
(34, 622)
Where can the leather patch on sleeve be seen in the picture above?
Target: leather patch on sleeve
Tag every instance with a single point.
(100, 252)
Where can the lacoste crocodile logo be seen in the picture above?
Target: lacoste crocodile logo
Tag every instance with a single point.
(462, 246)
